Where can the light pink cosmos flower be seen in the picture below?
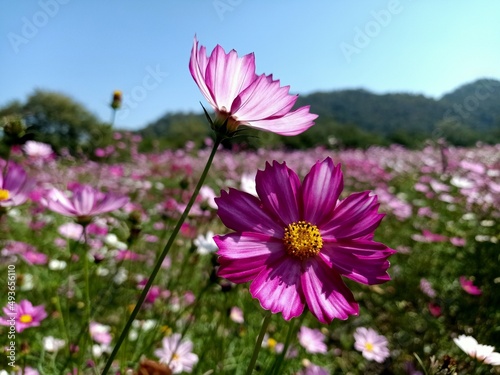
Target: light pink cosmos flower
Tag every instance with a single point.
(25, 251)
(312, 369)
(100, 333)
(84, 203)
(24, 314)
(236, 315)
(469, 287)
(371, 345)
(36, 149)
(312, 340)
(240, 96)
(426, 287)
(483, 353)
(296, 240)
(177, 354)
(15, 185)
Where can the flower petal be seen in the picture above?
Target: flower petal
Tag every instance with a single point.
(264, 98)
(326, 294)
(243, 212)
(227, 75)
(354, 217)
(320, 191)
(277, 187)
(292, 123)
(243, 256)
(198, 66)
(110, 203)
(84, 200)
(278, 288)
(58, 202)
(362, 261)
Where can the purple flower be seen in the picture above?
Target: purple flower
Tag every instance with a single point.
(241, 97)
(372, 345)
(24, 314)
(177, 354)
(297, 239)
(15, 185)
(312, 340)
(85, 202)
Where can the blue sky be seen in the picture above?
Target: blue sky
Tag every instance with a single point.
(87, 49)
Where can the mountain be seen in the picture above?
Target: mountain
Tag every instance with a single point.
(359, 118)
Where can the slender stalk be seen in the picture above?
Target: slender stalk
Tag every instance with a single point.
(162, 256)
(258, 343)
(291, 330)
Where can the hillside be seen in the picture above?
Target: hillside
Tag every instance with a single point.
(359, 118)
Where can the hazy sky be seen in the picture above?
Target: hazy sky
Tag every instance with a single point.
(87, 49)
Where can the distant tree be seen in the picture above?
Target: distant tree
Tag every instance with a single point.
(58, 120)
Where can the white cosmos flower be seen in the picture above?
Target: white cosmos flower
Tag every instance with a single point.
(483, 353)
(205, 244)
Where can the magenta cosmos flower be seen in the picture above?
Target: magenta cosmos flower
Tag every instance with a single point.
(241, 97)
(23, 315)
(15, 185)
(469, 286)
(84, 203)
(296, 240)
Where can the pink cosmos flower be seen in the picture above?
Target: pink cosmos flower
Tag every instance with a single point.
(312, 369)
(241, 97)
(371, 345)
(427, 288)
(84, 203)
(297, 239)
(15, 185)
(24, 314)
(100, 333)
(25, 251)
(469, 287)
(236, 315)
(177, 354)
(312, 340)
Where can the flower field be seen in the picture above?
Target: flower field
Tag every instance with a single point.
(73, 265)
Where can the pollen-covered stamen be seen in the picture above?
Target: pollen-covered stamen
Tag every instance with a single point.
(302, 240)
(4, 195)
(26, 318)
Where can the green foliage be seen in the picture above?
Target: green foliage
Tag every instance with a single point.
(359, 118)
(58, 120)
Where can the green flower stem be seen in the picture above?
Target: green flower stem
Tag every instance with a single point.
(291, 330)
(162, 256)
(258, 343)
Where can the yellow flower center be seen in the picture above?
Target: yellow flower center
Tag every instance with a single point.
(369, 346)
(271, 343)
(4, 195)
(26, 318)
(302, 240)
